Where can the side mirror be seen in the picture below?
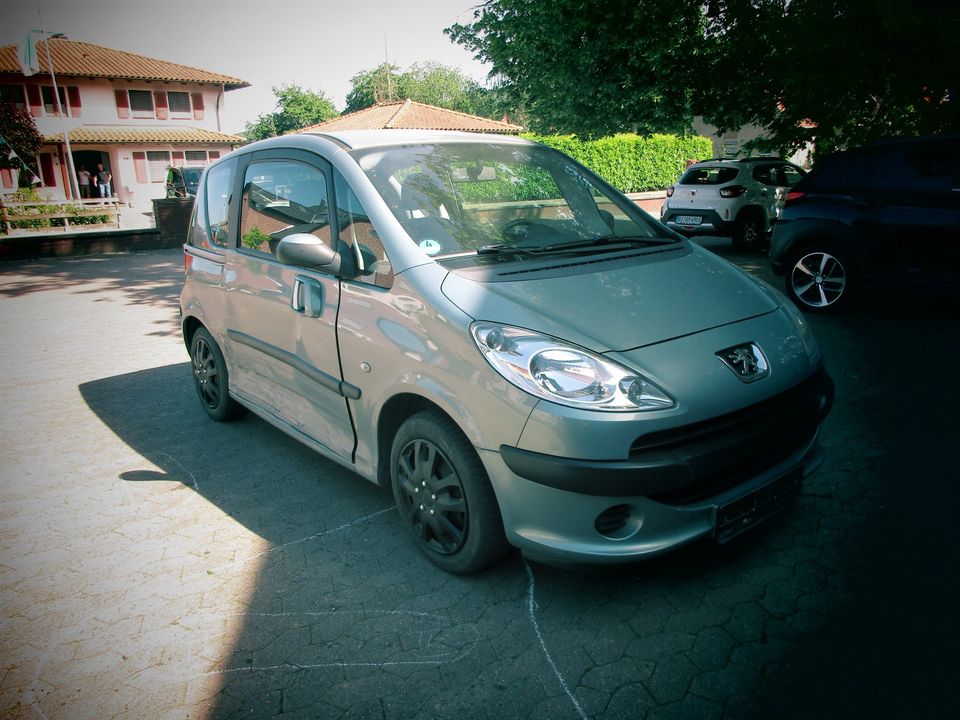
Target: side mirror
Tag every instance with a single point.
(307, 250)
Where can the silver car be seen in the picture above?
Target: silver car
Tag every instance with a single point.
(489, 328)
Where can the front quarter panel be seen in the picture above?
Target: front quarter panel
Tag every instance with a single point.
(411, 340)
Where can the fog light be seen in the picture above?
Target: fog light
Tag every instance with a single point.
(618, 522)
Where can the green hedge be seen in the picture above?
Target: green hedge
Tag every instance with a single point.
(632, 163)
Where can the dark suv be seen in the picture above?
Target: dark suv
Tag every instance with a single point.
(887, 213)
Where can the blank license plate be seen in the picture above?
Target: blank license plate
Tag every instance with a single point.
(688, 219)
(742, 514)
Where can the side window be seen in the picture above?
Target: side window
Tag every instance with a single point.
(765, 174)
(357, 233)
(215, 206)
(791, 175)
(280, 198)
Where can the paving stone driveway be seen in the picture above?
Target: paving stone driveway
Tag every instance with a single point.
(156, 565)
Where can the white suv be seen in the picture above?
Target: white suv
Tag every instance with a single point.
(736, 198)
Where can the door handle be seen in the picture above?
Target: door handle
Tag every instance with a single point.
(307, 297)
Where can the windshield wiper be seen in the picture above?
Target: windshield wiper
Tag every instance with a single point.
(608, 240)
(505, 249)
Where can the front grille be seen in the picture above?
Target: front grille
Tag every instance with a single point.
(727, 450)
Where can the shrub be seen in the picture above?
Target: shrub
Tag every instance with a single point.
(632, 163)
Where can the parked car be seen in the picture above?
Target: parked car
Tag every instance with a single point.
(508, 342)
(182, 182)
(739, 199)
(888, 213)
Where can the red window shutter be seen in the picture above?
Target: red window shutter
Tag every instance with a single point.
(177, 158)
(73, 96)
(6, 177)
(46, 170)
(123, 104)
(213, 155)
(140, 166)
(34, 100)
(160, 102)
(197, 105)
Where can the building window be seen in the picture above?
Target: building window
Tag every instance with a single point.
(141, 102)
(179, 103)
(196, 157)
(13, 94)
(158, 161)
(49, 104)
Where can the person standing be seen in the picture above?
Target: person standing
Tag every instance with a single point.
(83, 180)
(104, 178)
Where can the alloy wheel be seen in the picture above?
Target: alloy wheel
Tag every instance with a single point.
(205, 373)
(818, 279)
(433, 499)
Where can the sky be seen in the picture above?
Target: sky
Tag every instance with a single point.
(317, 44)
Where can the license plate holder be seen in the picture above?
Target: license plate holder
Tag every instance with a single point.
(744, 513)
(688, 219)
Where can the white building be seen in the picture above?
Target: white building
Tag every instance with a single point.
(133, 114)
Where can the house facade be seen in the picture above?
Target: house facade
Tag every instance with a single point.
(133, 114)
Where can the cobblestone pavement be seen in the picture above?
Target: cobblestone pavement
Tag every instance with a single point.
(154, 564)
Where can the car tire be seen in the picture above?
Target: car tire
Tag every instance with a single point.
(210, 378)
(444, 496)
(819, 278)
(748, 232)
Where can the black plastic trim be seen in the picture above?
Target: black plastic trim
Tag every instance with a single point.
(328, 381)
(692, 463)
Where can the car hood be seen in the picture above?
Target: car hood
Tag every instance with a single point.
(618, 308)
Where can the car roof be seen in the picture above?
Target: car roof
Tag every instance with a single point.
(362, 139)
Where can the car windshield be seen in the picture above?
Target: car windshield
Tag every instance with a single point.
(488, 198)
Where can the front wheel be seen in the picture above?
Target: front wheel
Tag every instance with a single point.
(444, 496)
(819, 278)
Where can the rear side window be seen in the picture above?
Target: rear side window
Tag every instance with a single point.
(709, 175)
(210, 227)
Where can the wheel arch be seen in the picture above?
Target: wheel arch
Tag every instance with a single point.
(393, 414)
(189, 326)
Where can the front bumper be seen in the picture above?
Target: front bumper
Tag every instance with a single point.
(712, 478)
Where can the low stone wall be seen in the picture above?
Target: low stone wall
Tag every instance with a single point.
(172, 217)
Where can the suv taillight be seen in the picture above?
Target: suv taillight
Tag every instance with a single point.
(795, 195)
(732, 191)
(670, 191)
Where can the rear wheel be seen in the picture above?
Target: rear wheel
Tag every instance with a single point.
(210, 378)
(748, 232)
(819, 278)
(444, 496)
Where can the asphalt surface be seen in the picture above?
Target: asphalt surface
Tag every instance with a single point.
(154, 564)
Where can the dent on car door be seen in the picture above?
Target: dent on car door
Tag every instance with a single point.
(281, 318)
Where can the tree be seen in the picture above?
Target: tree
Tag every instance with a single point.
(430, 83)
(297, 108)
(20, 133)
(840, 72)
(590, 68)
(837, 72)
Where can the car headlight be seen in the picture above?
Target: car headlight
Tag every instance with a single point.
(564, 373)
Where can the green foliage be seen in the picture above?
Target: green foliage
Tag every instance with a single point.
(20, 133)
(254, 238)
(297, 108)
(632, 163)
(76, 214)
(593, 69)
(430, 83)
(840, 72)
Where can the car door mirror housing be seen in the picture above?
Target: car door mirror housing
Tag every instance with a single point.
(306, 250)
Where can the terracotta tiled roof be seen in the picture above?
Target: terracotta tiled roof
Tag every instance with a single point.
(93, 134)
(411, 115)
(80, 59)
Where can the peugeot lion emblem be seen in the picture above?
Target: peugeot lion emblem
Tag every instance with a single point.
(747, 362)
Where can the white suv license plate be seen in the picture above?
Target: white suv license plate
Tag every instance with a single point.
(688, 219)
